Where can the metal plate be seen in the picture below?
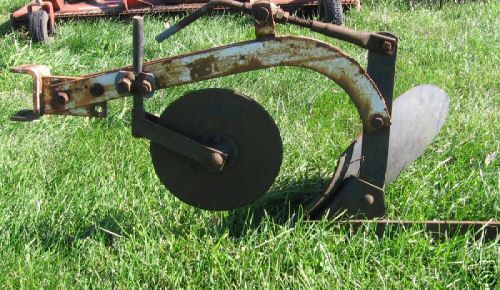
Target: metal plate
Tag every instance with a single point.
(245, 131)
(417, 117)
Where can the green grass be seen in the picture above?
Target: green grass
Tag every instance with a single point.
(80, 205)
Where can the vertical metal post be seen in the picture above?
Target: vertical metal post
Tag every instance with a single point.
(138, 44)
(138, 113)
(382, 69)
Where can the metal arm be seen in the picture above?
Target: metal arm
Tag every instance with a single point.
(246, 7)
(367, 40)
(231, 59)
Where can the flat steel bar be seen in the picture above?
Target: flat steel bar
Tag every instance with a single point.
(487, 230)
(150, 128)
(375, 147)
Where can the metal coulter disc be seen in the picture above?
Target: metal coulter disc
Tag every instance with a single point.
(229, 122)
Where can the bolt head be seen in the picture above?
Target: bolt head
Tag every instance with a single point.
(368, 199)
(261, 15)
(124, 86)
(97, 90)
(378, 122)
(145, 87)
(386, 46)
(62, 98)
(217, 160)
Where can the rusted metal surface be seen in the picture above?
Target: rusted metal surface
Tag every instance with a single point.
(264, 25)
(243, 57)
(36, 72)
(245, 7)
(43, 96)
(84, 9)
(486, 230)
(371, 41)
(263, 18)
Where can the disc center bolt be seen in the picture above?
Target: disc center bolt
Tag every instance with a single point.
(223, 144)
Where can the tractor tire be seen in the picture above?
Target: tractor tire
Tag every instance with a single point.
(39, 26)
(331, 11)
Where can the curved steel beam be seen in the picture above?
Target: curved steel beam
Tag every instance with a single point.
(237, 58)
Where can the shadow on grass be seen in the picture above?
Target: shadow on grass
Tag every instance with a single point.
(281, 205)
(5, 28)
(113, 225)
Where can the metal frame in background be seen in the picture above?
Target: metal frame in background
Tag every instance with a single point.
(60, 9)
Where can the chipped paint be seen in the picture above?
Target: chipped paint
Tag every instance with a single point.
(243, 57)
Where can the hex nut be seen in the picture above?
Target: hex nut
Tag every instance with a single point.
(386, 46)
(124, 86)
(368, 199)
(378, 122)
(62, 98)
(145, 87)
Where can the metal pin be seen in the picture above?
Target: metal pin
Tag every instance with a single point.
(138, 44)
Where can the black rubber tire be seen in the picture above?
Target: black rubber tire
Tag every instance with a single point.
(331, 11)
(39, 26)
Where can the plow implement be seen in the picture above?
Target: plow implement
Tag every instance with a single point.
(217, 149)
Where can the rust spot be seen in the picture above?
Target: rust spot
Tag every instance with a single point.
(251, 64)
(97, 90)
(203, 67)
(58, 101)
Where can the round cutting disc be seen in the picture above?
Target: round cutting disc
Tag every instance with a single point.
(229, 122)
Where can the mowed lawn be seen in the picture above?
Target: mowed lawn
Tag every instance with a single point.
(81, 206)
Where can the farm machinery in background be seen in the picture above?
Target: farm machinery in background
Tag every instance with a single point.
(41, 15)
(217, 149)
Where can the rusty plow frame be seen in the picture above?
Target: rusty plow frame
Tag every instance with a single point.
(217, 155)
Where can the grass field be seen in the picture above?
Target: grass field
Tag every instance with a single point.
(81, 206)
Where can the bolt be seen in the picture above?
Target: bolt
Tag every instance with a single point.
(377, 122)
(144, 87)
(386, 46)
(124, 86)
(261, 15)
(97, 90)
(280, 14)
(62, 98)
(368, 199)
(217, 160)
